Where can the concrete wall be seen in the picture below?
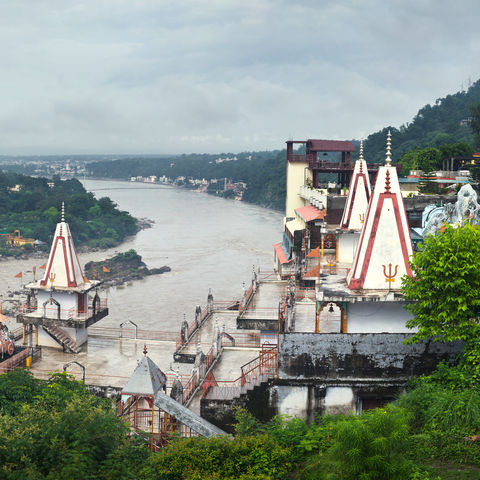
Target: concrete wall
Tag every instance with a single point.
(296, 174)
(377, 317)
(338, 357)
(67, 301)
(346, 246)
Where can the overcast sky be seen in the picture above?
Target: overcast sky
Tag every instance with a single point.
(154, 76)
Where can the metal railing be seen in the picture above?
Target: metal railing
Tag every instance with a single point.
(262, 313)
(131, 333)
(247, 340)
(267, 275)
(254, 372)
(63, 313)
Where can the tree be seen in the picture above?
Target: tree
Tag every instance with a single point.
(58, 430)
(445, 290)
(475, 122)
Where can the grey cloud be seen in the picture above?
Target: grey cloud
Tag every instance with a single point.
(168, 76)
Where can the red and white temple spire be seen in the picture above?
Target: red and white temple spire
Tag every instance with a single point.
(63, 267)
(382, 254)
(358, 196)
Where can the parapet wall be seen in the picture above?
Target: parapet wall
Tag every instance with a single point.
(340, 356)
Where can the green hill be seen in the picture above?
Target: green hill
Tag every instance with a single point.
(444, 122)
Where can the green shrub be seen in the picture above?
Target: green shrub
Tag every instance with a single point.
(259, 457)
(373, 446)
(439, 408)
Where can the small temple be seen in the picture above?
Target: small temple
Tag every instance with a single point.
(64, 303)
(147, 408)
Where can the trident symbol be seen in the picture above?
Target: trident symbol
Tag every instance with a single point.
(362, 217)
(330, 261)
(390, 277)
(51, 278)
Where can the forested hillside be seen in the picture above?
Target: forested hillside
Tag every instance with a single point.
(263, 172)
(32, 206)
(444, 122)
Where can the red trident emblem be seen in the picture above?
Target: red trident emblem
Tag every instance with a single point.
(362, 217)
(52, 279)
(390, 277)
(330, 261)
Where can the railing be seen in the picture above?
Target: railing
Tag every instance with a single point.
(245, 303)
(316, 198)
(15, 361)
(225, 305)
(267, 275)
(129, 333)
(247, 340)
(262, 313)
(92, 378)
(305, 292)
(16, 332)
(65, 313)
(257, 370)
(194, 325)
(62, 337)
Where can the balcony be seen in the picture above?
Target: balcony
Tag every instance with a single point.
(53, 315)
(315, 197)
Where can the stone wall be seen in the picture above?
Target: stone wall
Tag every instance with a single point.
(336, 356)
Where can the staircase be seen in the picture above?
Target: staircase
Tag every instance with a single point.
(60, 336)
(254, 373)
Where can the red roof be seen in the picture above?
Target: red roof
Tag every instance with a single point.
(315, 253)
(281, 254)
(310, 213)
(330, 146)
(313, 273)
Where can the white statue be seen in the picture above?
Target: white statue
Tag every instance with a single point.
(465, 208)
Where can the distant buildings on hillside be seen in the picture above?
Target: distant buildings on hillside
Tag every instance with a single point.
(219, 186)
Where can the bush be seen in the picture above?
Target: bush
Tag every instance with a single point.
(259, 457)
(373, 446)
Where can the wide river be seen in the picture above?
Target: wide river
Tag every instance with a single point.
(208, 242)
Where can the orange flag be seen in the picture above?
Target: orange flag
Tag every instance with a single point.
(105, 270)
(19, 275)
(44, 266)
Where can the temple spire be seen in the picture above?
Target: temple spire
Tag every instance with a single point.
(63, 261)
(383, 252)
(358, 195)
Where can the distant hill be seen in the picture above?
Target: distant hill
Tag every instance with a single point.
(444, 122)
(263, 172)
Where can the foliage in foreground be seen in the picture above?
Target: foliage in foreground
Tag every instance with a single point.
(57, 430)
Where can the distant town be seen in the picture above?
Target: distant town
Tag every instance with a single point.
(219, 186)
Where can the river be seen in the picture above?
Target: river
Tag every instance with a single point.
(207, 241)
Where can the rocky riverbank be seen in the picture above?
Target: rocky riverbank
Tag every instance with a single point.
(122, 268)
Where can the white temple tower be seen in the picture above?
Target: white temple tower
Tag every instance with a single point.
(63, 304)
(356, 205)
(382, 254)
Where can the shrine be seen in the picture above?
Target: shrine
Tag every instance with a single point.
(64, 303)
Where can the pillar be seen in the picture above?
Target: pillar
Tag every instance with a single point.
(343, 320)
(36, 335)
